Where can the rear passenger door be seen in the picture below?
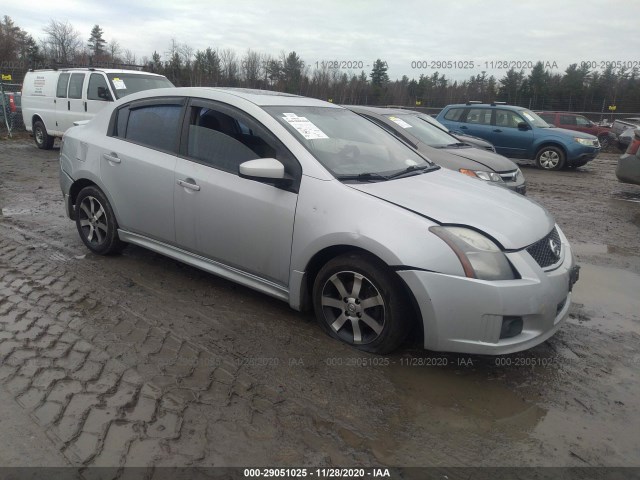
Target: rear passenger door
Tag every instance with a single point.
(239, 222)
(477, 122)
(137, 163)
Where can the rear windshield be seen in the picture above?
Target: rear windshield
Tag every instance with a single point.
(126, 83)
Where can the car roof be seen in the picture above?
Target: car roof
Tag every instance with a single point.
(262, 98)
(96, 69)
(485, 105)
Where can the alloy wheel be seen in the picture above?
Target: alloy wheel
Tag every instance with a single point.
(353, 307)
(93, 220)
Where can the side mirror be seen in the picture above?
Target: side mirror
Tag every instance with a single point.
(268, 170)
(523, 126)
(104, 94)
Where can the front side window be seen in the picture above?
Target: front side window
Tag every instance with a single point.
(583, 121)
(63, 81)
(223, 138)
(155, 126)
(96, 81)
(508, 119)
(75, 85)
(347, 144)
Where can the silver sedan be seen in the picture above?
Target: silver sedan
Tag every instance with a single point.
(312, 204)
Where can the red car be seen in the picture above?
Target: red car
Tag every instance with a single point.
(573, 121)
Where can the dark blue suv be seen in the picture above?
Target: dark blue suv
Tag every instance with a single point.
(519, 133)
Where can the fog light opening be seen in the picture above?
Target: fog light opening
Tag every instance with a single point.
(511, 326)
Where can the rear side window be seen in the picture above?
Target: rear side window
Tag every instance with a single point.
(96, 80)
(567, 120)
(75, 85)
(156, 126)
(63, 81)
(480, 116)
(453, 114)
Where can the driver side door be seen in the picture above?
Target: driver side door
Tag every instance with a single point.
(241, 223)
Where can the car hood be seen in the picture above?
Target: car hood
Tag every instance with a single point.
(453, 198)
(492, 161)
(570, 133)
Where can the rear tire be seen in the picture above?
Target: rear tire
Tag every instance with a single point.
(96, 222)
(358, 300)
(550, 158)
(43, 140)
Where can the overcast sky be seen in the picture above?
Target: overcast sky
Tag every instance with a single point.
(397, 31)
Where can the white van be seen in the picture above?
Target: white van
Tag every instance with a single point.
(53, 99)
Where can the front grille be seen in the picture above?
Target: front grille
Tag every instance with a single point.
(542, 251)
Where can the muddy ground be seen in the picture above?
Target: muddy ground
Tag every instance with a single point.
(139, 360)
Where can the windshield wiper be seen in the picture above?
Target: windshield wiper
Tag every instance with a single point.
(363, 177)
(413, 170)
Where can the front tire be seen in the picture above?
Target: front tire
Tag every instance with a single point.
(357, 300)
(550, 158)
(96, 222)
(43, 140)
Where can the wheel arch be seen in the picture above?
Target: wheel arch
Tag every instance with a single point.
(551, 143)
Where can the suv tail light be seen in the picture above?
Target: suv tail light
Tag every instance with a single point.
(12, 104)
(633, 147)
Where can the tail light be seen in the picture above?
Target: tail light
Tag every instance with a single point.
(12, 104)
(633, 147)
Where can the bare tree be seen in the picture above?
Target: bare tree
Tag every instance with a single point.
(114, 50)
(229, 66)
(129, 57)
(62, 41)
(251, 67)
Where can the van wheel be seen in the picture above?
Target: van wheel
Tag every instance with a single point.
(42, 138)
(550, 158)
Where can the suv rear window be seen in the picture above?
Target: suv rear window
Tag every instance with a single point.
(454, 114)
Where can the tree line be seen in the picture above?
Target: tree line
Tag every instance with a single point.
(578, 88)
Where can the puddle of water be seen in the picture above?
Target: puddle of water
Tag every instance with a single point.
(610, 291)
(440, 402)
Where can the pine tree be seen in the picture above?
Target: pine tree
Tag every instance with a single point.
(96, 42)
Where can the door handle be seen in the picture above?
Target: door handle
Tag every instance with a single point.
(463, 128)
(68, 104)
(190, 186)
(85, 106)
(111, 157)
(498, 130)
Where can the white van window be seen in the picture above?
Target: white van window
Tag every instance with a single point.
(96, 80)
(63, 81)
(75, 85)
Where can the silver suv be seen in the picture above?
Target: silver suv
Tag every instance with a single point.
(312, 204)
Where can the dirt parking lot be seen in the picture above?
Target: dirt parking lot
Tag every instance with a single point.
(137, 360)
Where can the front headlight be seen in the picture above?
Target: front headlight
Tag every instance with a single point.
(584, 141)
(480, 257)
(487, 176)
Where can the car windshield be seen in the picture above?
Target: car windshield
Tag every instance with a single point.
(349, 146)
(535, 119)
(423, 130)
(127, 83)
